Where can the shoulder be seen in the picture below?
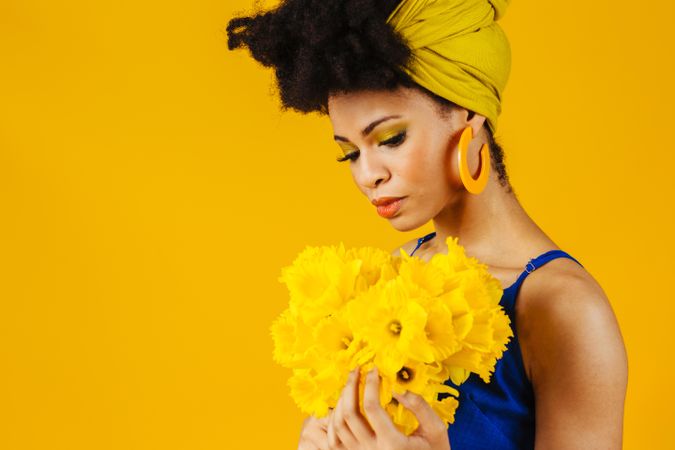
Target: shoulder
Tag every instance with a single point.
(565, 313)
(408, 247)
(576, 358)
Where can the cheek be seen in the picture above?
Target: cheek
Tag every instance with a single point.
(360, 187)
(424, 167)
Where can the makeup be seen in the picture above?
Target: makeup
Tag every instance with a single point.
(390, 209)
(385, 135)
(347, 151)
(396, 134)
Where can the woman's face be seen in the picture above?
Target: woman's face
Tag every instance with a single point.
(399, 145)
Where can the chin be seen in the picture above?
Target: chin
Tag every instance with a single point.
(403, 223)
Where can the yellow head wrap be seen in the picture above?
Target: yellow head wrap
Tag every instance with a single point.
(459, 51)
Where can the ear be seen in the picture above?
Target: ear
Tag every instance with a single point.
(472, 119)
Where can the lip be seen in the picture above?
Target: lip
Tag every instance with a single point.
(384, 200)
(388, 206)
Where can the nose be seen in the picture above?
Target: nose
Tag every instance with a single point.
(371, 171)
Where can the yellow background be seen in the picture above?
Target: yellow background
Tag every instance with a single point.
(151, 190)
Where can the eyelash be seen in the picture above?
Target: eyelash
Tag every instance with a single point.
(394, 141)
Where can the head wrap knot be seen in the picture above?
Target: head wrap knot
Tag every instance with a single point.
(459, 52)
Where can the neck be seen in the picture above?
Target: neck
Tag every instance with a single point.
(491, 226)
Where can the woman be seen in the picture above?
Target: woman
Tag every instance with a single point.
(412, 89)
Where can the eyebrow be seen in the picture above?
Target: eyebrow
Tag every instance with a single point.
(366, 131)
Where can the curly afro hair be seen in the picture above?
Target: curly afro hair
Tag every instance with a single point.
(321, 47)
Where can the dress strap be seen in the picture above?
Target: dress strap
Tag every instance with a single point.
(422, 240)
(535, 263)
(532, 265)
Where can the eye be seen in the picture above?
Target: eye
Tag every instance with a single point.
(393, 141)
(396, 140)
(350, 156)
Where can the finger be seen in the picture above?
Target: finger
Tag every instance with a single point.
(315, 439)
(332, 441)
(331, 436)
(379, 419)
(314, 436)
(339, 423)
(323, 421)
(352, 412)
(321, 440)
(311, 441)
(336, 421)
(319, 433)
(430, 424)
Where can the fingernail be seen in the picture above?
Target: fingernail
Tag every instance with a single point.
(398, 396)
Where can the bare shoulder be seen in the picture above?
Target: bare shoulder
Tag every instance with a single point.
(408, 247)
(561, 305)
(574, 354)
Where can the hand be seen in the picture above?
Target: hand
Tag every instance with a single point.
(313, 434)
(349, 429)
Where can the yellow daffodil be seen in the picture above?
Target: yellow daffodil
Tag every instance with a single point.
(420, 323)
(320, 281)
(392, 322)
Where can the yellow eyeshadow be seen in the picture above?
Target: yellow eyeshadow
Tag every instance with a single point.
(388, 134)
(381, 137)
(346, 148)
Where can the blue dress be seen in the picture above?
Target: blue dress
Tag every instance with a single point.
(498, 415)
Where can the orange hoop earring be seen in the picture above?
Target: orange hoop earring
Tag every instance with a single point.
(475, 186)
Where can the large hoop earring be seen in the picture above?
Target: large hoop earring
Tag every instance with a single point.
(475, 186)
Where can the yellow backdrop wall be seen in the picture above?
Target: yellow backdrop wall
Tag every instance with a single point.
(151, 190)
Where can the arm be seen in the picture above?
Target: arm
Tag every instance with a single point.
(578, 368)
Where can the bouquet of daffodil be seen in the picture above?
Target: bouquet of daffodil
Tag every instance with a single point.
(420, 323)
